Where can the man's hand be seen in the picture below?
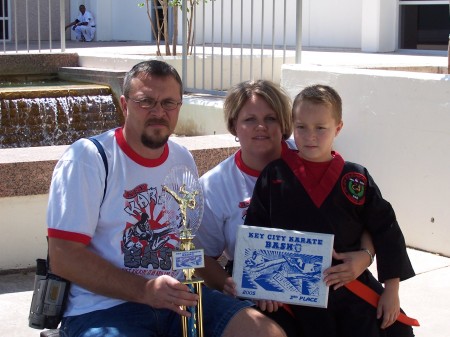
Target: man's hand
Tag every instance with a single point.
(75, 262)
(165, 292)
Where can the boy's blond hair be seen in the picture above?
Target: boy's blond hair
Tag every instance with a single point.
(321, 94)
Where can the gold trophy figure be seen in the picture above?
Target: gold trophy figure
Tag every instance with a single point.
(183, 200)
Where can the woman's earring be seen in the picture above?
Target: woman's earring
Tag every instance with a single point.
(236, 139)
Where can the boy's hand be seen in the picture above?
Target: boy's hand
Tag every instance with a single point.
(389, 303)
(267, 305)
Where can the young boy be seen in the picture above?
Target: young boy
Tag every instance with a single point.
(316, 190)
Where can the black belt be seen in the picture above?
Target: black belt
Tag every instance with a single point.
(93, 26)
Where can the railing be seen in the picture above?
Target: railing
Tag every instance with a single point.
(39, 23)
(237, 40)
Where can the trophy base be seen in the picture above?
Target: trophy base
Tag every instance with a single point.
(193, 326)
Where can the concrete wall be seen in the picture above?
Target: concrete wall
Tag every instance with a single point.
(379, 25)
(25, 175)
(201, 116)
(328, 23)
(23, 231)
(396, 124)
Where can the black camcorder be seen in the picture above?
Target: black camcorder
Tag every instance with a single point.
(49, 298)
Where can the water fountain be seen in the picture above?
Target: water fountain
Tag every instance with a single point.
(39, 107)
(53, 112)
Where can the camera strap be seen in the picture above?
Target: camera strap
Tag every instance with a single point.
(101, 150)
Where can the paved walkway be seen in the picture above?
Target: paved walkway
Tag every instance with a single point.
(425, 297)
(317, 56)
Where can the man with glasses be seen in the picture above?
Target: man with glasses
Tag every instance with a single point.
(114, 245)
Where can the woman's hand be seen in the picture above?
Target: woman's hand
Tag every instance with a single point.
(354, 264)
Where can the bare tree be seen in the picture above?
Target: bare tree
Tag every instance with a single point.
(161, 29)
(155, 26)
(191, 4)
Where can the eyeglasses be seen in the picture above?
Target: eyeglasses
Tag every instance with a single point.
(150, 103)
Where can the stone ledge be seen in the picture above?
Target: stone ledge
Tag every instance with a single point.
(62, 90)
(48, 63)
(28, 171)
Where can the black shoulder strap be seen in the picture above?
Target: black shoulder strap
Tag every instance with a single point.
(105, 161)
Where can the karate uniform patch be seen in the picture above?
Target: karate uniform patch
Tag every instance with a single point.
(353, 185)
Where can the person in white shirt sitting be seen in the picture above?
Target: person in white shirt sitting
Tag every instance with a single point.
(83, 26)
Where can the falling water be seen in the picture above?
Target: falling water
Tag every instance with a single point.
(41, 121)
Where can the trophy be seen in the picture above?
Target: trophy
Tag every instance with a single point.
(183, 203)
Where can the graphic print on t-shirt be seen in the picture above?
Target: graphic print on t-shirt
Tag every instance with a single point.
(147, 240)
(244, 206)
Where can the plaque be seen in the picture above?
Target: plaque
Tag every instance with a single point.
(282, 265)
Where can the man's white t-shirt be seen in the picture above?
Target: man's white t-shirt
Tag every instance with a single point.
(129, 228)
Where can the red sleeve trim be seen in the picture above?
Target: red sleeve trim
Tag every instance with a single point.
(69, 236)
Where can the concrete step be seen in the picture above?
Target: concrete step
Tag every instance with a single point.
(110, 77)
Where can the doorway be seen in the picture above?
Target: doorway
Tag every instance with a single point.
(424, 26)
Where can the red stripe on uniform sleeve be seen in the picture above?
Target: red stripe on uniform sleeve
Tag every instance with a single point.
(69, 236)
